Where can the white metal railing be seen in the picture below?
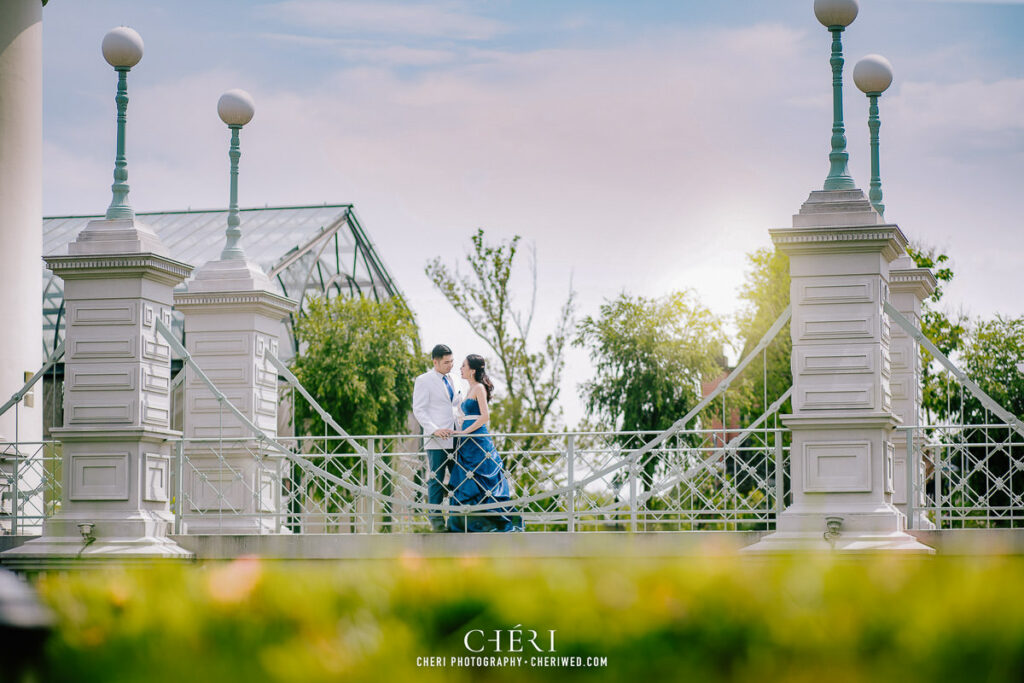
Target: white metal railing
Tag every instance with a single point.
(30, 485)
(572, 481)
(29, 470)
(967, 475)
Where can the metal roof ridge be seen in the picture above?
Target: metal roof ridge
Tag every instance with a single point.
(224, 210)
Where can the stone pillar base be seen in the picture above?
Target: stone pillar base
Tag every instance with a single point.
(861, 528)
(135, 538)
(785, 542)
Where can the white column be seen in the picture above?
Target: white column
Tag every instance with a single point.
(841, 462)
(21, 113)
(21, 223)
(908, 288)
(231, 321)
(118, 282)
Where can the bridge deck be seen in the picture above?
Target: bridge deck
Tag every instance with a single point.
(537, 544)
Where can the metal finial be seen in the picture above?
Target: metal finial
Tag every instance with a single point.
(236, 109)
(873, 75)
(836, 15)
(122, 48)
(838, 173)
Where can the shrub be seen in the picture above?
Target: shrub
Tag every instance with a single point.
(702, 619)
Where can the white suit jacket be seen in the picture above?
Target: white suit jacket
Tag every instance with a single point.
(433, 409)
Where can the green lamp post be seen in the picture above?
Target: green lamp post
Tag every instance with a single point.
(873, 75)
(122, 48)
(235, 108)
(836, 15)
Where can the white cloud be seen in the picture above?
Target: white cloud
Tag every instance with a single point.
(74, 175)
(368, 52)
(451, 20)
(966, 105)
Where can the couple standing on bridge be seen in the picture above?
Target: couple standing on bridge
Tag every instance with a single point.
(458, 444)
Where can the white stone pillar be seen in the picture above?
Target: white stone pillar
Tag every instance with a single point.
(841, 462)
(908, 288)
(21, 229)
(231, 320)
(118, 282)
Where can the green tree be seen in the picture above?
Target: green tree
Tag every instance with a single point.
(530, 379)
(359, 359)
(947, 333)
(650, 357)
(993, 351)
(765, 294)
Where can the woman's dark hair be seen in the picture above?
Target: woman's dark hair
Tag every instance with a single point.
(476, 364)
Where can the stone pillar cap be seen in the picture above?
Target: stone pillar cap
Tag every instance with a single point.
(258, 301)
(231, 275)
(886, 239)
(833, 221)
(836, 208)
(913, 279)
(117, 236)
(112, 265)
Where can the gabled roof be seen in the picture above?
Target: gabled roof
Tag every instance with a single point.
(304, 249)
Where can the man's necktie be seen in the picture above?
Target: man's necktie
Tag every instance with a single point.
(448, 386)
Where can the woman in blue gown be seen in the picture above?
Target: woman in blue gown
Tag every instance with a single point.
(478, 475)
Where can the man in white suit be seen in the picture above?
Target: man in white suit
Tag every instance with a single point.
(434, 403)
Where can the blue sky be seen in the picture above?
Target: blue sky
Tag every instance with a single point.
(641, 146)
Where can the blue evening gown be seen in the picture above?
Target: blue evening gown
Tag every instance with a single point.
(478, 477)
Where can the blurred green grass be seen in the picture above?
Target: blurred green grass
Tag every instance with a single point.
(717, 618)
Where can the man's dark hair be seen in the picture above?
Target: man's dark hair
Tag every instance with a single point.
(440, 351)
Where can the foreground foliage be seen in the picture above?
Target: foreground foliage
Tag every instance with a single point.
(690, 619)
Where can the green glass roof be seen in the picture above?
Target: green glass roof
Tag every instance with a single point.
(304, 249)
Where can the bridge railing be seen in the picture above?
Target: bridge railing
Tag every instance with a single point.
(572, 481)
(30, 485)
(969, 476)
(704, 472)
